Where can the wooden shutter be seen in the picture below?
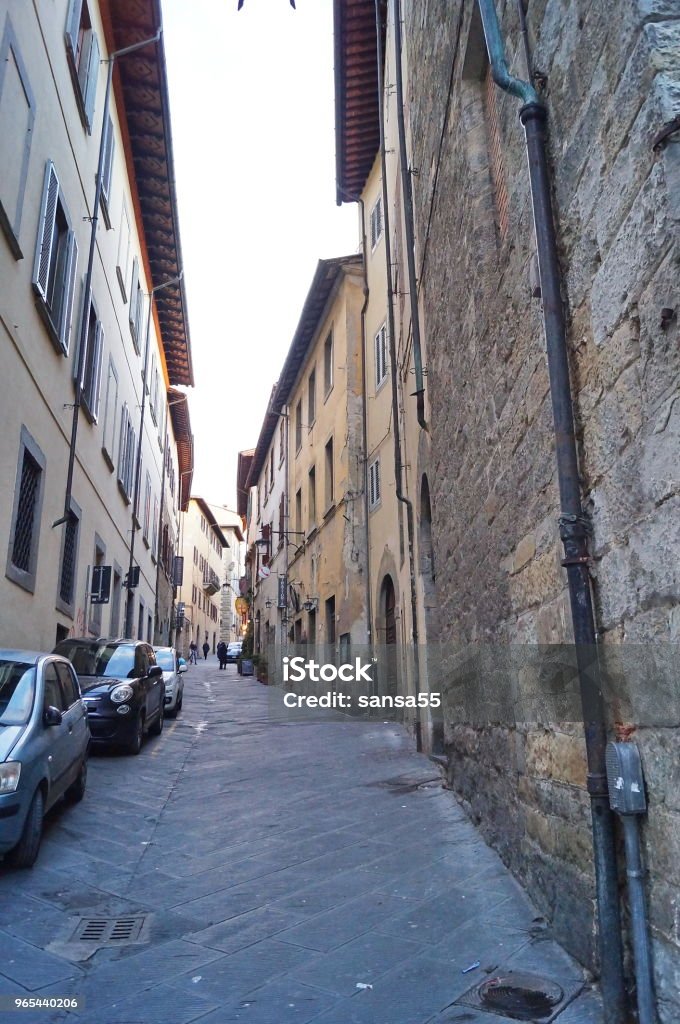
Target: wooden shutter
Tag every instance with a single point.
(122, 444)
(91, 78)
(109, 148)
(96, 378)
(69, 288)
(48, 212)
(73, 25)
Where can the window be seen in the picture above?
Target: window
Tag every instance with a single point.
(123, 260)
(69, 687)
(380, 356)
(328, 364)
(311, 399)
(376, 223)
(22, 557)
(69, 561)
(146, 521)
(298, 426)
(282, 520)
(154, 529)
(195, 555)
(312, 497)
(83, 53)
(140, 635)
(56, 256)
(126, 454)
(298, 513)
(17, 114)
(330, 471)
(271, 470)
(136, 311)
(282, 441)
(107, 170)
(91, 363)
(53, 697)
(374, 484)
(110, 410)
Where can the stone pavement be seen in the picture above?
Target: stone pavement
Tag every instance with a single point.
(293, 871)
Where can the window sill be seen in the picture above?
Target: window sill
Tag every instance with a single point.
(121, 282)
(12, 239)
(23, 579)
(328, 394)
(381, 384)
(126, 497)
(107, 459)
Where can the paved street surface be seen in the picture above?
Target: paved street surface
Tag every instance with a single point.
(292, 872)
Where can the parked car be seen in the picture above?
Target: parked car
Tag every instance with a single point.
(174, 668)
(44, 740)
(234, 650)
(122, 686)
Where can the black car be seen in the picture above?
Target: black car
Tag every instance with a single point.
(122, 688)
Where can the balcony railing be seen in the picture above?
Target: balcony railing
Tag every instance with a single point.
(211, 581)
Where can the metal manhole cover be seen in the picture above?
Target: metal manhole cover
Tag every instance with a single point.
(518, 995)
(110, 931)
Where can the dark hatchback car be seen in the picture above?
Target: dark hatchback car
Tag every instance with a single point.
(122, 687)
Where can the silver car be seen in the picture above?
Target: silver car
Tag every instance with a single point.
(174, 668)
(44, 741)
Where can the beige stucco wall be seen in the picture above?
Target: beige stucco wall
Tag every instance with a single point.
(41, 392)
(199, 541)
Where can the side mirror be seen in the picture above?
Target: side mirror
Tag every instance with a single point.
(155, 671)
(52, 716)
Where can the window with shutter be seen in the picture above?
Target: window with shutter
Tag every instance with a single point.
(380, 356)
(147, 508)
(56, 257)
(134, 297)
(374, 483)
(82, 49)
(376, 223)
(107, 171)
(24, 530)
(17, 118)
(91, 364)
(328, 364)
(123, 261)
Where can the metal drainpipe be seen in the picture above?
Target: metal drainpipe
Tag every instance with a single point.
(407, 194)
(401, 497)
(113, 57)
(573, 523)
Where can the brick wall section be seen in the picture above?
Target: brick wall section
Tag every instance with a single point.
(612, 80)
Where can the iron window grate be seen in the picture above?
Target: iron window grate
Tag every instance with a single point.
(68, 564)
(25, 521)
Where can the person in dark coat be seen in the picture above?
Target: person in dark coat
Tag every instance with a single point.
(206, 648)
(222, 653)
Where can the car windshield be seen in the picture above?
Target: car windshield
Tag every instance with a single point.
(95, 659)
(235, 646)
(166, 660)
(17, 692)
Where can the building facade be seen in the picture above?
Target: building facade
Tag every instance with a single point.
(233, 567)
(199, 595)
(85, 468)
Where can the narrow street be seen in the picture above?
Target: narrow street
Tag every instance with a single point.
(304, 871)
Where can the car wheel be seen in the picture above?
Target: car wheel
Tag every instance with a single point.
(76, 791)
(181, 701)
(135, 744)
(25, 852)
(157, 728)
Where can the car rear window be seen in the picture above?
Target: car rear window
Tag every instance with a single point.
(94, 659)
(166, 660)
(17, 692)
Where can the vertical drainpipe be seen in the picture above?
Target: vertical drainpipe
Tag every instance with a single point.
(401, 497)
(409, 228)
(572, 522)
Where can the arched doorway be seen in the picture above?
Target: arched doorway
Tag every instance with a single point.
(388, 604)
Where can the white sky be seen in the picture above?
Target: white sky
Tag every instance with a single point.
(252, 109)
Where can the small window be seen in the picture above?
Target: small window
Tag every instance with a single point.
(56, 257)
(282, 441)
(282, 520)
(312, 497)
(82, 48)
(374, 484)
(328, 364)
(298, 513)
(298, 426)
(107, 170)
(376, 223)
(17, 117)
(330, 620)
(126, 454)
(22, 557)
(380, 356)
(154, 529)
(123, 260)
(69, 561)
(146, 522)
(136, 310)
(311, 399)
(91, 363)
(330, 473)
(110, 413)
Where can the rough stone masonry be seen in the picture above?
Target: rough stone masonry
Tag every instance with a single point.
(609, 74)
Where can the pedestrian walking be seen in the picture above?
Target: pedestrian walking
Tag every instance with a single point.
(193, 652)
(222, 653)
(206, 648)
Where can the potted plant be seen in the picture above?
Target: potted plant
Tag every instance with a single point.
(261, 668)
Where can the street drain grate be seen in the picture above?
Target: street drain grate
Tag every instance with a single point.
(110, 931)
(519, 996)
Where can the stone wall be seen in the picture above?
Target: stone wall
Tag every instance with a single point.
(610, 77)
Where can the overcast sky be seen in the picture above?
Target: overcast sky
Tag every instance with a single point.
(252, 108)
